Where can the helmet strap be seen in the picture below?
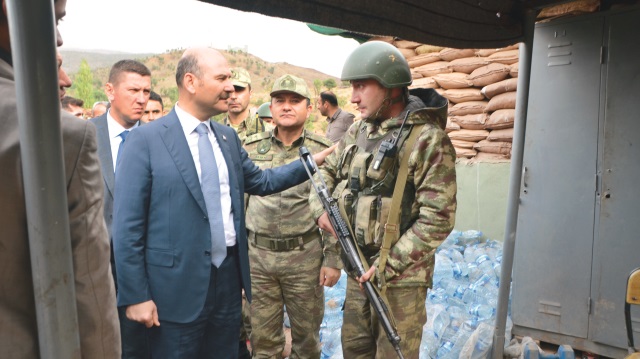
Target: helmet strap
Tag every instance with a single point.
(386, 103)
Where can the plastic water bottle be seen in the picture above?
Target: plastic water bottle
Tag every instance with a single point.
(429, 344)
(485, 265)
(331, 344)
(484, 339)
(443, 269)
(444, 352)
(482, 312)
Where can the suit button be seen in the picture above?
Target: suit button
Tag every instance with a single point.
(207, 253)
(205, 219)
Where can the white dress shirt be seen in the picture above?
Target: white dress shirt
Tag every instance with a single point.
(189, 124)
(115, 129)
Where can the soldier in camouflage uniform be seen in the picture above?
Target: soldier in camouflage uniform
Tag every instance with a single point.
(289, 262)
(240, 116)
(379, 76)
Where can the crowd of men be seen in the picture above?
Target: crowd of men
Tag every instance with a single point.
(190, 237)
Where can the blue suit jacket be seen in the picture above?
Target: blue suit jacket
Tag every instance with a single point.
(161, 233)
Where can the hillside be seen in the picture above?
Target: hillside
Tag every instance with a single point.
(163, 67)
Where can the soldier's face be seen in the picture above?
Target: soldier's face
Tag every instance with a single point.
(289, 110)
(239, 99)
(368, 96)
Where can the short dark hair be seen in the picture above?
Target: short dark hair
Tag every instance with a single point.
(329, 97)
(124, 66)
(153, 96)
(69, 101)
(187, 64)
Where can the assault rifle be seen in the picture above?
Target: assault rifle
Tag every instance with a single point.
(346, 241)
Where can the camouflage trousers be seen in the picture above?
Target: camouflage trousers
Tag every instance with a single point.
(286, 278)
(364, 338)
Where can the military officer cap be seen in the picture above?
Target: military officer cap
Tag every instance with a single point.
(290, 83)
(240, 77)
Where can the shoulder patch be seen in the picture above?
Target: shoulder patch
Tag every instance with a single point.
(257, 137)
(320, 139)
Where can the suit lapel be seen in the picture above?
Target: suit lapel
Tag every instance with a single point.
(176, 143)
(104, 152)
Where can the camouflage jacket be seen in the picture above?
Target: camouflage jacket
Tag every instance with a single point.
(285, 214)
(431, 181)
(250, 126)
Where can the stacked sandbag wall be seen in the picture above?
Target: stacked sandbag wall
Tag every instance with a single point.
(480, 85)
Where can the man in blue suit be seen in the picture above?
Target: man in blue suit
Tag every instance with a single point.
(179, 229)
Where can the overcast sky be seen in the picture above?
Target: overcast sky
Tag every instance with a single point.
(154, 26)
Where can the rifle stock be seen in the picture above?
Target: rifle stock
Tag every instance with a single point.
(345, 239)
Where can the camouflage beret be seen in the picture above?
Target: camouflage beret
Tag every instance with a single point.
(290, 83)
(240, 77)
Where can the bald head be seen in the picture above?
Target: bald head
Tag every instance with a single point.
(203, 77)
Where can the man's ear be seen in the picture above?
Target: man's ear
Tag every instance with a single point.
(190, 82)
(109, 90)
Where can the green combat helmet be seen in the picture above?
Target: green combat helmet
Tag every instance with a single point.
(264, 111)
(379, 61)
(240, 77)
(290, 83)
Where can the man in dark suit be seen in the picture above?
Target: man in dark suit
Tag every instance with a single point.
(128, 89)
(94, 291)
(179, 229)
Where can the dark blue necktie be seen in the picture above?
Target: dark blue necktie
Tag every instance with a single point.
(122, 135)
(210, 183)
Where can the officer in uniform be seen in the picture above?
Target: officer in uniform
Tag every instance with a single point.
(239, 115)
(363, 171)
(289, 262)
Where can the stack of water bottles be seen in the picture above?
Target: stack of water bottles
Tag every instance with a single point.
(330, 329)
(461, 305)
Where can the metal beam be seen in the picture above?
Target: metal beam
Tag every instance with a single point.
(32, 30)
(513, 201)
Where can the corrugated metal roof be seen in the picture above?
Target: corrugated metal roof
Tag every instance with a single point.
(451, 23)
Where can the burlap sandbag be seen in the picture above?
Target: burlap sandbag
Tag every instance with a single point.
(571, 8)
(486, 52)
(416, 75)
(504, 135)
(439, 67)
(423, 59)
(425, 82)
(471, 122)
(468, 64)
(491, 157)
(451, 126)
(513, 72)
(465, 152)
(406, 44)
(388, 39)
(498, 88)
(493, 147)
(469, 135)
(450, 54)
(463, 95)
(425, 49)
(407, 53)
(454, 80)
(463, 144)
(502, 101)
(505, 57)
(468, 108)
(501, 119)
(492, 73)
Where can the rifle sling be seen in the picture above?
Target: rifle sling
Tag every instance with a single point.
(392, 228)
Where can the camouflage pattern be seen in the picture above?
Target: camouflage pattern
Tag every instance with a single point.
(290, 277)
(250, 126)
(428, 213)
(363, 337)
(240, 77)
(290, 83)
